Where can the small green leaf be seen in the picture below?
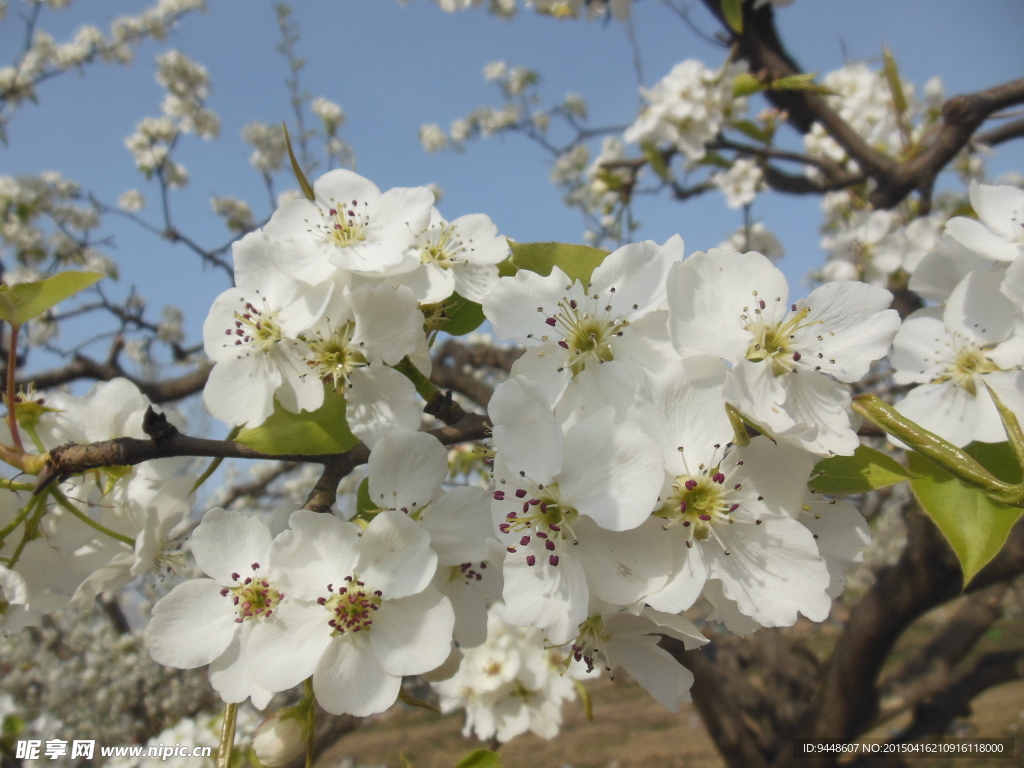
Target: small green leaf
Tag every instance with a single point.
(304, 185)
(973, 524)
(745, 84)
(801, 82)
(732, 10)
(865, 471)
(506, 268)
(464, 316)
(404, 760)
(321, 431)
(714, 159)
(577, 261)
(480, 758)
(20, 303)
(892, 77)
(752, 131)
(656, 159)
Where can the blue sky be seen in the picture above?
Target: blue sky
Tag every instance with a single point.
(395, 67)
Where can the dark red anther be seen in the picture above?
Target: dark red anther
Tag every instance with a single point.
(761, 303)
(549, 545)
(553, 559)
(531, 560)
(520, 493)
(551, 321)
(499, 495)
(690, 484)
(718, 477)
(524, 541)
(705, 518)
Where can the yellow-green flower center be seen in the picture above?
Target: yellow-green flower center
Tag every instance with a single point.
(336, 356)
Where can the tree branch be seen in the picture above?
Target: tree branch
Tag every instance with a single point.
(934, 716)
(926, 575)
(82, 367)
(927, 672)
(1011, 130)
(759, 44)
(166, 441)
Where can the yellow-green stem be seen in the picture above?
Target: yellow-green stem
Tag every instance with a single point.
(227, 736)
(12, 365)
(63, 501)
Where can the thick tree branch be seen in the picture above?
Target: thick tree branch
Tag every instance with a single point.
(759, 44)
(166, 441)
(933, 717)
(927, 672)
(926, 575)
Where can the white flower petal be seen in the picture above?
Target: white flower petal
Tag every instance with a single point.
(525, 431)
(284, 649)
(459, 524)
(395, 556)
(378, 400)
(191, 626)
(612, 472)
(405, 469)
(348, 679)
(414, 634)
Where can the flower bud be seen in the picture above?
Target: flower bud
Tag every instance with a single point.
(278, 740)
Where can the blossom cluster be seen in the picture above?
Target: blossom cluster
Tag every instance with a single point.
(969, 345)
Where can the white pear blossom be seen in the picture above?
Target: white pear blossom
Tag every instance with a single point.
(350, 225)
(460, 256)
(610, 638)
(736, 306)
(251, 335)
(362, 332)
(211, 620)
(572, 511)
(955, 354)
(741, 183)
(687, 107)
(361, 612)
(512, 683)
(998, 233)
(589, 342)
(729, 514)
(869, 248)
(405, 472)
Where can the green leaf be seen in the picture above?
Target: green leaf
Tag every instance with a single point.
(304, 185)
(801, 82)
(464, 316)
(404, 760)
(20, 303)
(321, 431)
(892, 77)
(973, 524)
(656, 159)
(997, 458)
(480, 758)
(752, 131)
(407, 698)
(745, 84)
(732, 10)
(577, 261)
(714, 159)
(865, 471)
